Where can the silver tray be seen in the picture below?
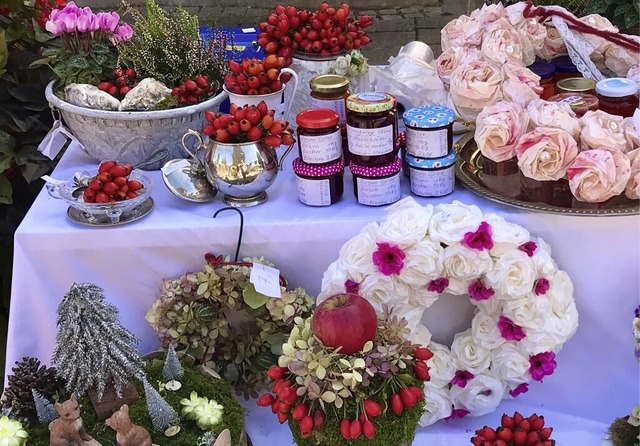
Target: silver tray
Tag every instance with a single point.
(86, 219)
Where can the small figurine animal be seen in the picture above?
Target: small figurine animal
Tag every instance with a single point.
(127, 433)
(67, 430)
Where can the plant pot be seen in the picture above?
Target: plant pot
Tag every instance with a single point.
(132, 137)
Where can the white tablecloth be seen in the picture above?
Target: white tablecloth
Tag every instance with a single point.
(597, 377)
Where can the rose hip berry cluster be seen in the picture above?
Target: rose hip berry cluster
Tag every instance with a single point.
(256, 76)
(194, 90)
(124, 81)
(515, 430)
(112, 184)
(327, 31)
(248, 123)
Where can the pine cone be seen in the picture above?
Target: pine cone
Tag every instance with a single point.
(29, 374)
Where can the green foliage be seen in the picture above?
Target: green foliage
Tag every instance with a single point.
(622, 433)
(622, 13)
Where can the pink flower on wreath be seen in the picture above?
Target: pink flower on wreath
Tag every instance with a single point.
(522, 388)
(438, 285)
(542, 364)
(481, 239)
(352, 287)
(478, 291)
(457, 413)
(528, 247)
(388, 259)
(542, 286)
(461, 377)
(509, 330)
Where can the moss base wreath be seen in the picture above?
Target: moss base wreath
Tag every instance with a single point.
(217, 316)
(524, 313)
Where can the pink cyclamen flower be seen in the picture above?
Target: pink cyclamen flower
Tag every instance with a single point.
(481, 239)
(71, 7)
(542, 286)
(478, 291)
(461, 377)
(352, 287)
(542, 364)
(522, 388)
(123, 32)
(438, 285)
(108, 21)
(457, 413)
(54, 27)
(69, 22)
(510, 330)
(388, 259)
(529, 248)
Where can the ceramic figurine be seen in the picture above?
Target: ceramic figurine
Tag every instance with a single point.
(127, 433)
(67, 430)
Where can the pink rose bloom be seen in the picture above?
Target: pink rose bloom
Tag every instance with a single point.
(475, 85)
(553, 45)
(463, 31)
(634, 73)
(489, 13)
(632, 189)
(553, 114)
(620, 60)
(502, 43)
(545, 153)
(600, 129)
(599, 174)
(498, 128)
(631, 134)
(521, 85)
(531, 31)
(452, 58)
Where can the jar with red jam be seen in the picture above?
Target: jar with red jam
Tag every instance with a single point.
(376, 185)
(331, 91)
(580, 103)
(617, 96)
(319, 137)
(319, 185)
(546, 71)
(372, 128)
(564, 68)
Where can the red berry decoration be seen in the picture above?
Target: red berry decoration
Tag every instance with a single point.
(396, 404)
(515, 430)
(345, 426)
(255, 76)
(111, 183)
(266, 400)
(423, 354)
(368, 429)
(372, 409)
(421, 369)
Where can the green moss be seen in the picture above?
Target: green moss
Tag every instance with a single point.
(193, 379)
(621, 433)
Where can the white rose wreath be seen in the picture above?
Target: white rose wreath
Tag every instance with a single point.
(525, 309)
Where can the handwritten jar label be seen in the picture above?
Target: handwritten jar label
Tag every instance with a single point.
(337, 105)
(427, 143)
(370, 142)
(378, 191)
(314, 192)
(320, 149)
(432, 183)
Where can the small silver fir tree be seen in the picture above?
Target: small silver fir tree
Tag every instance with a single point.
(44, 409)
(172, 369)
(161, 413)
(92, 348)
(207, 439)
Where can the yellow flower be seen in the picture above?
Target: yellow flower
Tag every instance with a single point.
(12, 433)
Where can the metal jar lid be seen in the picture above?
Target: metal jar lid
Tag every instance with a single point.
(317, 118)
(371, 102)
(576, 84)
(329, 83)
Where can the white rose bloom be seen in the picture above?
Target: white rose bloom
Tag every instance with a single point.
(421, 335)
(412, 314)
(421, 296)
(423, 263)
(509, 365)
(380, 289)
(450, 222)
(480, 396)
(560, 292)
(542, 259)
(528, 312)
(441, 367)
(406, 224)
(463, 265)
(341, 64)
(437, 404)
(356, 255)
(492, 305)
(468, 355)
(513, 273)
(506, 236)
(560, 328)
(484, 329)
(333, 282)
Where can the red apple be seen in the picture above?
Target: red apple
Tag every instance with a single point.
(347, 321)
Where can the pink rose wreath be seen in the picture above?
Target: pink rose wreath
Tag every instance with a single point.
(524, 312)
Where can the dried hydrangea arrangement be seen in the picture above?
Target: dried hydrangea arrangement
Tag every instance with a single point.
(217, 317)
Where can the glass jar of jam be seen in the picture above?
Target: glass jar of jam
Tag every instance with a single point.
(372, 128)
(546, 71)
(433, 177)
(319, 185)
(429, 130)
(580, 103)
(377, 185)
(617, 96)
(319, 137)
(576, 85)
(564, 68)
(331, 91)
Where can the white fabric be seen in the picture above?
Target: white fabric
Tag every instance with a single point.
(597, 376)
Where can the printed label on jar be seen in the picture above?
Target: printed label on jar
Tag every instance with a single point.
(427, 143)
(337, 105)
(314, 192)
(321, 148)
(378, 191)
(432, 183)
(370, 142)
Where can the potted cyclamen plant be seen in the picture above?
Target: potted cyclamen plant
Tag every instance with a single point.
(153, 80)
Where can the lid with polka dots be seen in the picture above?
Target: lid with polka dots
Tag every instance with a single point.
(314, 170)
(433, 163)
(428, 117)
(376, 171)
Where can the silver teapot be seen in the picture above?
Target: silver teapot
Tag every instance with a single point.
(242, 171)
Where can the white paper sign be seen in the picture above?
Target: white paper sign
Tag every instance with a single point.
(55, 140)
(337, 105)
(174, 167)
(248, 30)
(314, 192)
(321, 148)
(427, 143)
(377, 192)
(370, 142)
(266, 280)
(432, 183)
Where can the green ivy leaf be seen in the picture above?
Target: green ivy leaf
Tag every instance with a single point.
(631, 19)
(622, 9)
(4, 51)
(6, 190)
(252, 298)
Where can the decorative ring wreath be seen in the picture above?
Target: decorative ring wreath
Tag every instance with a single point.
(217, 316)
(524, 313)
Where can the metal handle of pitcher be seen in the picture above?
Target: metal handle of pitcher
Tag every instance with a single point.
(294, 75)
(201, 145)
(284, 155)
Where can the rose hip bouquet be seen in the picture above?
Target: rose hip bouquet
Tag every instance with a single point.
(256, 76)
(515, 430)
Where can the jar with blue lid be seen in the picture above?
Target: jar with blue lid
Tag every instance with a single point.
(434, 177)
(429, 130)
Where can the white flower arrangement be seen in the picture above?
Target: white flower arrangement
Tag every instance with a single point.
(351, 64)
(525, 309)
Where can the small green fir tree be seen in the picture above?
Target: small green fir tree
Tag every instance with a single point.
(172, 369)
(44, 409)
(161, 413)
(92, 348)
